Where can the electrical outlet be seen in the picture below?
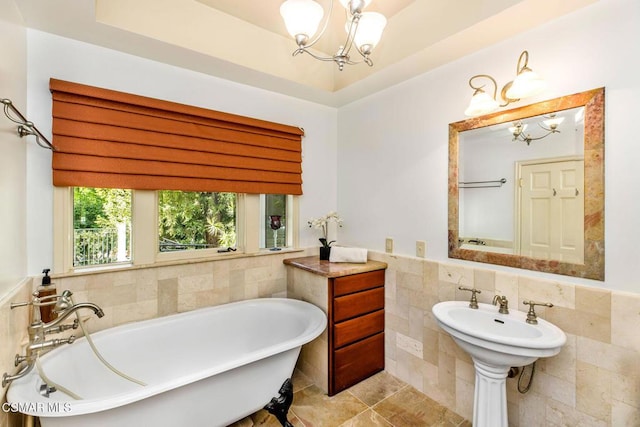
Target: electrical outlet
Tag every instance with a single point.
(388, 245)
(421, 248)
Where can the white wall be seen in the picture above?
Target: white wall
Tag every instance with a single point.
(392, 147)
(61, 58)
(392, 152)
(13, 69)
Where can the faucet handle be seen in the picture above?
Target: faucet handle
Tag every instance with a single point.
(473, 303)
(20, 304)
(531, 314)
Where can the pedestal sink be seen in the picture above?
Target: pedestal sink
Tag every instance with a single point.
(496, 342)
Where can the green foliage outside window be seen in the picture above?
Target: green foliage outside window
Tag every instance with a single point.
(196, 220)
(101, 226)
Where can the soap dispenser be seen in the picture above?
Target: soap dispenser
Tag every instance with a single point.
(47, 289)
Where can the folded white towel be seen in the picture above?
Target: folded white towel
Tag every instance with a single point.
(343, 254)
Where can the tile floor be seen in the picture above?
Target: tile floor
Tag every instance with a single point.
(380, 401)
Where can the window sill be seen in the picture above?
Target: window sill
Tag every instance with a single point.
(166, 263)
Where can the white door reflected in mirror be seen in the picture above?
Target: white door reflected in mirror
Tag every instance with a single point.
(520, 214)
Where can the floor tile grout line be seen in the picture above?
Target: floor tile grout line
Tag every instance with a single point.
(388, 397)
(367, 407)
(403, 386)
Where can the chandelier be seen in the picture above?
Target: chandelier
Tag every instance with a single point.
(364, 29)
(550, 125)
(526, 83)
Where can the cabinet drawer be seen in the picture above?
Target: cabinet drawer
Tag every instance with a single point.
(357, 282)
(358, 361)
(355, 329)
(356, 304)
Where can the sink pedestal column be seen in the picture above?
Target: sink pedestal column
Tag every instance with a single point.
(490, 397)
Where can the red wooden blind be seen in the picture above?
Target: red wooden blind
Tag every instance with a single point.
(111, 139)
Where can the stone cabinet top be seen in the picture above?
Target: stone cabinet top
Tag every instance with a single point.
(328, 269)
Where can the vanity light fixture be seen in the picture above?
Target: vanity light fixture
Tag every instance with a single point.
(527, 83)
(364, 29)
(550, 125)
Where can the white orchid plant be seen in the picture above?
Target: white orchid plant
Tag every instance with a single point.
(322, 224)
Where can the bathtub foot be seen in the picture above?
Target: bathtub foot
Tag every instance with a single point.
(279, 406)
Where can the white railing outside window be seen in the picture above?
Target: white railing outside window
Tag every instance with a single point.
(97, 246)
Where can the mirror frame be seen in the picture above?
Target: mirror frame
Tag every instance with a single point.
(593, 267)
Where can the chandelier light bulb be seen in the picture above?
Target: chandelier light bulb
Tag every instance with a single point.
(301, 17)
(518, 128)
(370, 28)
(553, 122)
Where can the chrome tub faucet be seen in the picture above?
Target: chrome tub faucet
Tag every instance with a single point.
(37, 329)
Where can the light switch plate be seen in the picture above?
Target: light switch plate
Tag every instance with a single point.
(388, 245)
(421, 248)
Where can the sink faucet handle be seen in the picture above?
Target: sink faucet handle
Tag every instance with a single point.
(532, 318)
(473, 303)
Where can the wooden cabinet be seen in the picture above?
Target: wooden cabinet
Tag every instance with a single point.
(352, 296)
(356, 328)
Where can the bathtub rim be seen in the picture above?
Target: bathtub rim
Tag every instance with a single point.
(86, 406)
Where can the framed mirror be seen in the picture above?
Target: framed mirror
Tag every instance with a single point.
(526, 187)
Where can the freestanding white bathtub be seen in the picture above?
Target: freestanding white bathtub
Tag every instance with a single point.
(210, 367)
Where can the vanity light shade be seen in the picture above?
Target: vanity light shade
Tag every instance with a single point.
(526, 84)
(301, 17)
(370, 30)
(481, 103)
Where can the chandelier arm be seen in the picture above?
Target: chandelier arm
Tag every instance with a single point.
(320, 58)
(477, 88)
(528, 138)
(353, 28)
(324, 27)
(549, 129)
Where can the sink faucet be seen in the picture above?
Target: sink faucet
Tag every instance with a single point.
(503, 302)
(37, 329)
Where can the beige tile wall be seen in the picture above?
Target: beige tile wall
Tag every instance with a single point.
(145, 293)
(13, 328)
(314, 356)
(594, 381)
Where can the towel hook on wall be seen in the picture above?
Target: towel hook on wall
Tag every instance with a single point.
(25, 127)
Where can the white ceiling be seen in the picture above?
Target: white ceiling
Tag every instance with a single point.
(246, 41)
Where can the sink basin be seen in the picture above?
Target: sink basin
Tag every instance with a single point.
(496, 342)
(495, 338)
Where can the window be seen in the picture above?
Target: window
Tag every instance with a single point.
(196, 220)
(111, 227)
(274, 219)
(101, 226)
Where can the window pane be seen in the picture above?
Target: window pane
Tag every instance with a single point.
(196, 220)
(101, 226)
(275, 221)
